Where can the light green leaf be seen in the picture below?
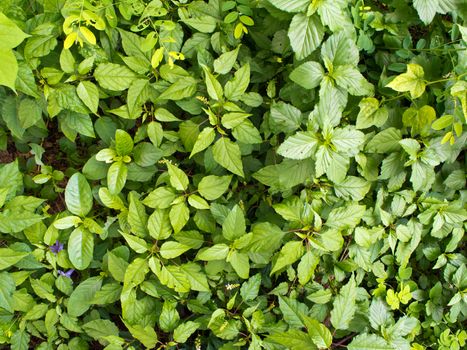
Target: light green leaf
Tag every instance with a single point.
(344, 306)
(290, 253)
(306, 267)
(284, 117)
(371, 114)
(293, 340)
(160, 198)
(353, 188)
(216, 252)
(369, 342)
(226, 61)
(235, 88)
(16, 221)
(179, 215)
(89, 94)
(182, 88)
(203, 141)
(184, 331)
(78, 195)
(292, 311)
(318, 332)
(137, 217)
(308, 75)
(426, 9)
(305, 34)
(20, 340)
(146, 335)
(113, 76)
(116, 177)
(345, 217)
(350, 78)
(302, 145)
(8, 68)
(7, 288)
(411, 81)
(290, 5)
(170, 250)
(80, 248)
(178, 178)
(212, 187)
(240, 263)
(123, 142)
(10, 34)
(234, 224)
(80, 300)
(227, 154)
(214, 88)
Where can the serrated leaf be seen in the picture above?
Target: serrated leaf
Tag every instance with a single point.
(113, 76)
(305, 34)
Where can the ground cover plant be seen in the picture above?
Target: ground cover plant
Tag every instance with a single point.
(233, 174)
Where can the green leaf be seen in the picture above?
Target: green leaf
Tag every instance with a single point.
(306, 267)
(212, 187)
(98, 329)
(349, 78)
(226, 61)
(369, 342)
(113, 76)
(146, 335)
(308, 75)
(240, 263)
(216, 252)
(344, 306)
(203, 141)
(318, 332)
(196, 277)
(170, 250)
(290, 5)
(116, 177)
(290, 253)
(16, 221)
(371, 114)
(305, 34)
(8, 68)
(285, 117)
(169, 317)
(250, 288)
(179, 215)
(9, 257)
(80, 248)
(340, 50)
(137, 217)
(293, 339)
(236, 87)
(89, 94)
(426, 9)
(10, 34)
(411, 81)
(78, 195)
(215, 90)
(29, 113)
(7, 288)
(182, 88)
(160, 198)
(20, 340)
(123, 142)
(227, 154)
(178, 178)
(80, 300)
(345, 217)
(292, 311)
(234, 224)
(204, 24)
(353, 188)
(184, 331)
(302, 145)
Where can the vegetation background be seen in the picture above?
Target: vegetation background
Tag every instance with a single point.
(233, 174)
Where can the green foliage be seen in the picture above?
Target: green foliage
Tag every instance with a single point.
(233, 174)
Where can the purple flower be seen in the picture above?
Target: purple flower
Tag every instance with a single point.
(66, 274)
(56, 247)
